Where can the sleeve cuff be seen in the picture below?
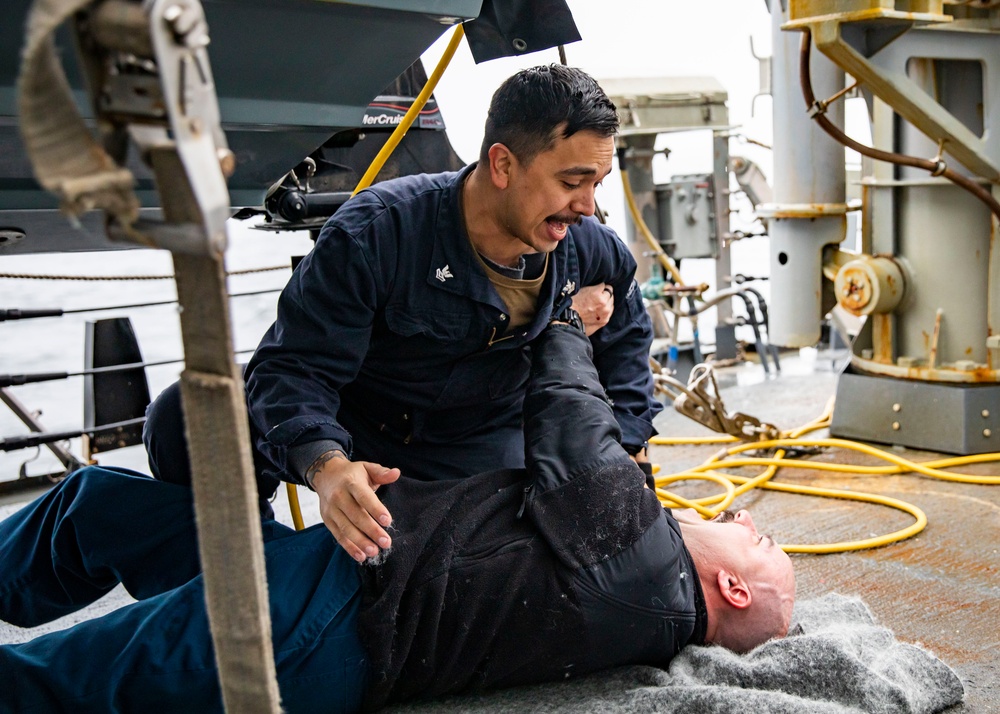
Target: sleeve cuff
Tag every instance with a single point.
(633, 449)
(302, 456)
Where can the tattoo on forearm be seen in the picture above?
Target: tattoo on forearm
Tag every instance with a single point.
(319, 463)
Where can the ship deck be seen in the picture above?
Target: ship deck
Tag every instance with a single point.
(939, 589)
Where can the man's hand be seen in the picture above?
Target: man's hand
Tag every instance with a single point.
(348, 504)
(595, 304)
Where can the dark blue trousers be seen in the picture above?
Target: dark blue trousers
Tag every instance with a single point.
(103, 526)
(167, 448)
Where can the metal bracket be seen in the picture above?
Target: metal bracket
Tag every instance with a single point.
(701, 401)
(154, 78)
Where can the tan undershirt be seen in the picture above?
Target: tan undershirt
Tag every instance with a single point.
(520, 296)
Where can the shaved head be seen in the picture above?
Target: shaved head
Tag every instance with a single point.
(748, 580)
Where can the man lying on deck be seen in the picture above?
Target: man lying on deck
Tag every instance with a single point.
(510, 577)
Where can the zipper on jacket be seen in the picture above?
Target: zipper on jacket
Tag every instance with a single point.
(524, 501)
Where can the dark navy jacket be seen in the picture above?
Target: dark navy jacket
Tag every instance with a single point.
(567, 566)
(391, 341)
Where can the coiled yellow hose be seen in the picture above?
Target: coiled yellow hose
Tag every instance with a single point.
(735, 486)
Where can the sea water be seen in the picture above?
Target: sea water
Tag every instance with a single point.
(57, 344)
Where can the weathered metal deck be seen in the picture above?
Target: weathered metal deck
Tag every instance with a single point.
(940, 589)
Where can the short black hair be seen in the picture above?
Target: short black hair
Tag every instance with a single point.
(529, 106)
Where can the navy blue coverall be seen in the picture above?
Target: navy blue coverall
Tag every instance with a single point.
(392, 345)
(502, 578)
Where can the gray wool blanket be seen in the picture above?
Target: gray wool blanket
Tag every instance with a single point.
(835, 660)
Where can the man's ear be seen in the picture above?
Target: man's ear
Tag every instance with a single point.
(734, 589)
(501, 160)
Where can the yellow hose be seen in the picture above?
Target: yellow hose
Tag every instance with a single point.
(414, 110)
(647, 234)
(376, 165)
(293, 504)
(736, 486)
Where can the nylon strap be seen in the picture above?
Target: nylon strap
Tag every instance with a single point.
(222, 474)
(71, 163)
